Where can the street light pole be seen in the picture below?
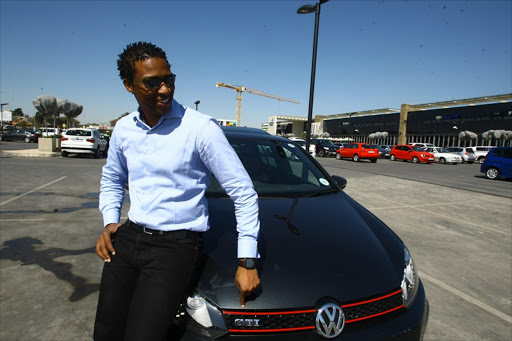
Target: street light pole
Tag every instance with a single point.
(304, 10)
(197, 103)
(2, 115)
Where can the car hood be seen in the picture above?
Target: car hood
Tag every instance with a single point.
(311, 249)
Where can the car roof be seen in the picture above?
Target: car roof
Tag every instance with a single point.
(233, 131)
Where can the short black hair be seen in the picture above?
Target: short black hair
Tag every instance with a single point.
(137, 52)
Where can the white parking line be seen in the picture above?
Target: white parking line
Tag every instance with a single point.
(415, 207)
(26, 193)
(489, 309)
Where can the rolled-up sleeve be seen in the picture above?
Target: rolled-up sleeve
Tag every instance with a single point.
(220, 158)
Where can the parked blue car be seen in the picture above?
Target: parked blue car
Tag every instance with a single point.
(498, 163)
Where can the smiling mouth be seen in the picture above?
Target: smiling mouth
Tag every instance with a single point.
(164, 101)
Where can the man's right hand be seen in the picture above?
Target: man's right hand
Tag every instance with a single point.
(104, 245)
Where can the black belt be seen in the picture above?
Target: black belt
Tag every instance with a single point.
(175, 233)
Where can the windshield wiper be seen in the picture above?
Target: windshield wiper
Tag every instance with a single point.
(321, 192)
(291, 227)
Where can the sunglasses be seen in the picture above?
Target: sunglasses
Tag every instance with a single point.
(153, 83)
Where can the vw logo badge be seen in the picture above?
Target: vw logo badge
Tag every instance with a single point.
(330, 320)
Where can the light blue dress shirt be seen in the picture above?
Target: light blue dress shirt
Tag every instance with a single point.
(168, 169)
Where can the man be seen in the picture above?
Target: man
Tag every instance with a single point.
(166, 153)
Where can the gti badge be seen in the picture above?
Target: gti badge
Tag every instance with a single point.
(330, 320)
(247, 322)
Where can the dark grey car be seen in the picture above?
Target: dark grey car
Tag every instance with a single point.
(344, 275)
(25, 135)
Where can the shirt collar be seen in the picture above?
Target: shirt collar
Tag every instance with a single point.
(177, 111)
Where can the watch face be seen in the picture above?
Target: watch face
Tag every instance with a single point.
(248, 263)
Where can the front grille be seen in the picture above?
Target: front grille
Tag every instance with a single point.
(270, 321)
(244, 321)
(364, 310)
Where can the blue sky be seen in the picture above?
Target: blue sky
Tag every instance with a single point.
(371, 54)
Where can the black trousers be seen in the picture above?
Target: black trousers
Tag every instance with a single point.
(143, 285)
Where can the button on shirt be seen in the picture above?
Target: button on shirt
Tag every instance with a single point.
(168, 168)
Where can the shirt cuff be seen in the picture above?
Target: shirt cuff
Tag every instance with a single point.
(248, 248)
(111, 216)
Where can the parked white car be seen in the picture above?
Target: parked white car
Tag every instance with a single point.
(444, 156)
(45, 132)
(300, 142)
(423, 145)
(481, 152)
(467, 153)
(83, 141)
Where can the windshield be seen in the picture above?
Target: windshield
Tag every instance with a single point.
(325, 142)
(418, 149)
(277, 169)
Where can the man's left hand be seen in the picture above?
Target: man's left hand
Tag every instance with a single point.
(247, 281)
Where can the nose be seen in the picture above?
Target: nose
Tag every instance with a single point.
(164, 89)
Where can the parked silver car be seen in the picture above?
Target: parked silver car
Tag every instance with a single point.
(467, 153)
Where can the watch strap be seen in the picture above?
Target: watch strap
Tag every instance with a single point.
(247, 263)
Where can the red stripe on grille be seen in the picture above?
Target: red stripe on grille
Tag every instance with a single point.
(270, 330)
(270, 313)
(372, 300)
(375, 315)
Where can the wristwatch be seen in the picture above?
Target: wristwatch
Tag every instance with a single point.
(247, 263)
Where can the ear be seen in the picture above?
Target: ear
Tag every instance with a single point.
(128, 85)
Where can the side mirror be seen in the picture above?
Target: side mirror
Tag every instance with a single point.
(342, 182)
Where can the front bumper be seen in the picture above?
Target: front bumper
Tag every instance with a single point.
(427, 159)
(403, 325)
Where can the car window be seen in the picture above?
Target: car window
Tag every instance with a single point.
(277, 169)
(497, 152)
(419, 149)
(507, 153)
(470, 150)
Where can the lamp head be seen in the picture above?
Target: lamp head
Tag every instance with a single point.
(306, 9)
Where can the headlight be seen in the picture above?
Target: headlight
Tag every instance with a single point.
(206, 318)
(326, 148)
(410, 280)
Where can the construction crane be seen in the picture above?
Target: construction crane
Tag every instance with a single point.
(239, 89)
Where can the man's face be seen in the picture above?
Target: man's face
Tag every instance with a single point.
(153, 102)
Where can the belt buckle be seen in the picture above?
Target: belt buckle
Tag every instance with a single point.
(146, 231)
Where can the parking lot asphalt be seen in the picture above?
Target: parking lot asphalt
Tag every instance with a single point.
(49, 222)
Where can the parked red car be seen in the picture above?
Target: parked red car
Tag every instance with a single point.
(411, 153)
(358, 151)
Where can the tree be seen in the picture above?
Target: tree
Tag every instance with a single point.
(113, 122)
(18, 112)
